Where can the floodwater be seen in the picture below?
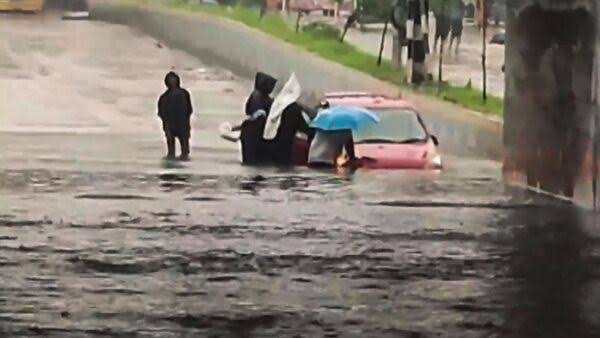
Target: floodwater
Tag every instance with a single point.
(99, 237)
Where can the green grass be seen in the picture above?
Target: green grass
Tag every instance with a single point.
(327, 47)
(467, 97)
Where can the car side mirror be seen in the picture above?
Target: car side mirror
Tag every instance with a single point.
(435, 140)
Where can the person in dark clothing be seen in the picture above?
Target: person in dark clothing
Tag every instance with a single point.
(258, 106)
(292, 121)
(442, 28)
(175, 110)
(457, 15)
(260, 98)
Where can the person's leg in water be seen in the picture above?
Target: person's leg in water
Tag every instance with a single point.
(184, 141)
(170, 143)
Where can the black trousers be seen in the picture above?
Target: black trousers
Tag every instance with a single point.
(184, 141)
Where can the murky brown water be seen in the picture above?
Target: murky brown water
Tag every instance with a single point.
(98, 237)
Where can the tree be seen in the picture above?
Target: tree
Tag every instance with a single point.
(484, 7)
(442, 9)
(349, 22)
(379, 9)
(382, 42)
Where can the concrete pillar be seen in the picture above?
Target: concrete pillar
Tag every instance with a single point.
(550, 104)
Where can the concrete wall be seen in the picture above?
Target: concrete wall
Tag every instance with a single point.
(245, 51)
(550, 101)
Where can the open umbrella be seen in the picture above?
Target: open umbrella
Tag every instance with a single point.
(342, 117)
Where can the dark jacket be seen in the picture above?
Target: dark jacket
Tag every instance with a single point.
(175, 108)
(292, 122)
(260, 97)
(253, 146)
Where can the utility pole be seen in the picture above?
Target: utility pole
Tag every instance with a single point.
(417, 31)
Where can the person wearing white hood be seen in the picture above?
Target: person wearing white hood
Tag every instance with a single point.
(285, 120)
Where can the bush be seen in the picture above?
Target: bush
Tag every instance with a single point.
(322, 30)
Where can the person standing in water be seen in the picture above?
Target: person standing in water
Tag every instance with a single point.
(258, 107)
(442, 25)
(175, 111)
(281, 148)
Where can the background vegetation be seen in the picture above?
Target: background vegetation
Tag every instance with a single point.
(322, 40)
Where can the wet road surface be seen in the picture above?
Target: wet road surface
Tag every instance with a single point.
(99, 237)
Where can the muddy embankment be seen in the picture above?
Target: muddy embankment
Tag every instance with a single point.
(245, 51)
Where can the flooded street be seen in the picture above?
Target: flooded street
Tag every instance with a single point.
(100, 237)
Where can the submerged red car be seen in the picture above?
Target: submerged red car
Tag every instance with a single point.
(400, 141)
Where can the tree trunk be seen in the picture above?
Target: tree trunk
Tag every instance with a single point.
(344, 34)
(484, 50)
(595, 158)
(298, 21)
(441, 54)
(382, 44)
(440, 66)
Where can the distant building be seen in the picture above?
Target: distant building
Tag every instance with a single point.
(274, 5)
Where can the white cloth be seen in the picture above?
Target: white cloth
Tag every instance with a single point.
(289, 94)
(226, 132)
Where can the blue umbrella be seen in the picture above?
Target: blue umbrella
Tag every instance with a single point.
(342, 117)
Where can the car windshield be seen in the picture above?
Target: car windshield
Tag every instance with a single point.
(396, 126)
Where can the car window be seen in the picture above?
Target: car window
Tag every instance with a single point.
(396, 126)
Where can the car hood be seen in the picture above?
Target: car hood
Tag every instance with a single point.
(396, 156)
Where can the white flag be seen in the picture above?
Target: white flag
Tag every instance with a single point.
(288, 95)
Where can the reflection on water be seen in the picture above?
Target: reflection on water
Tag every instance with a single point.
(552, 265)
(275, 253)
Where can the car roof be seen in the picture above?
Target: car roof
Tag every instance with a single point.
(367, 100)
